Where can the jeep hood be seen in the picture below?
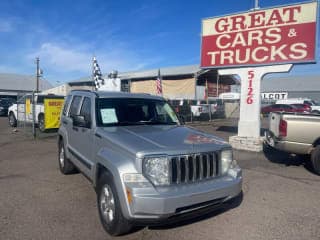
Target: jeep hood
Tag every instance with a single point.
(157, 139)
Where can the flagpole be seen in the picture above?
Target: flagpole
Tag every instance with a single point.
(92, 74)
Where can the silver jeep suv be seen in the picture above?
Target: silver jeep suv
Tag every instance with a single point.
(145, 165)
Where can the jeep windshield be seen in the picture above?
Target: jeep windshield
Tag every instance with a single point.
(134, 111)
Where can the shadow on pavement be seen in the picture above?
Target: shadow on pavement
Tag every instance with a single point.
(287, 159)
(234, 129)
(229, 129)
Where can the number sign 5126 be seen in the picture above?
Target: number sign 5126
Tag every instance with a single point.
(250, 88)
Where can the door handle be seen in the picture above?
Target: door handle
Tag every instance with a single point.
(75, 128)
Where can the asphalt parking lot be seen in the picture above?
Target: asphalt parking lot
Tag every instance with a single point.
(281, 197)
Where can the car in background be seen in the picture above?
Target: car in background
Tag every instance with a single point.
(315, 106)
(5, 103)
(205, 108)
(305, 107)
(20, 112)
(281, 108)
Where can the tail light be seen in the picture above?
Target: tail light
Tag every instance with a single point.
(283, 128)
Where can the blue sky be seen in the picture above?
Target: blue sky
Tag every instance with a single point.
(123, 35)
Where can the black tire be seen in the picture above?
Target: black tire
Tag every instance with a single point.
(110, 212)
(65, 165)
(41, 123)
(315, 159)
(12, 120)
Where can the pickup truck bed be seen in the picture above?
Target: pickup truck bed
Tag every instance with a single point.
(295, 133)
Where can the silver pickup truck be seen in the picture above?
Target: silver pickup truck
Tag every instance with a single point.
(145, 166)
(296, 133)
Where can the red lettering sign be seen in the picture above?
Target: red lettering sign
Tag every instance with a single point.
(250, 88)
(279, 35)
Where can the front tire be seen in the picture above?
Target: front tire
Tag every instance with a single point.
(12, 120)
(41, 123)
(65, 165)
(315, 159)
(109, 208)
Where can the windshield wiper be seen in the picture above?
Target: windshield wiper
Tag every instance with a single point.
(126, 123)
(155, 122)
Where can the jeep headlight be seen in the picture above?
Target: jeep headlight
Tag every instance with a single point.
(156, 169)
(227, 161)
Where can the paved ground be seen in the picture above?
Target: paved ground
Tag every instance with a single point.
(280, 201)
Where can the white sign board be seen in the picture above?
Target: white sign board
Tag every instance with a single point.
(111, 84)
(274, 95)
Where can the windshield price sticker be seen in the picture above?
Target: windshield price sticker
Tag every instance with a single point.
(278, 35)
(108, 115)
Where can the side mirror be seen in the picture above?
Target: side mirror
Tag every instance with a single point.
(80, 121)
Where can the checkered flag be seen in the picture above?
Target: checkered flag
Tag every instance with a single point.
(97, 76)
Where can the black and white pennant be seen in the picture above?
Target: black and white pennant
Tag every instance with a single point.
(97, 76)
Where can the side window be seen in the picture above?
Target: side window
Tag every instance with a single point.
(40, 99)
(66, 105)
(74, 106)
(86, 109)
(22, 100)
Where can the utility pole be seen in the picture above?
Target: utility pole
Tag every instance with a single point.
(38, 74)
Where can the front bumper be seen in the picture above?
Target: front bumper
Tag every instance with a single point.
(150, 203)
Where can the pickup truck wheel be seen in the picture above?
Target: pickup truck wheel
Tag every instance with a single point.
(12, 120)
(41, 123)
(315, 159)
(65, 165)
(110, 213)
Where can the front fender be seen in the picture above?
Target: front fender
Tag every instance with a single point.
(116, 164)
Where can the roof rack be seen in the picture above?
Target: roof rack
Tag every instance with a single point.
(85, 90)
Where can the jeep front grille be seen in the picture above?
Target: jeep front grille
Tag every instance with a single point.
(194, 167)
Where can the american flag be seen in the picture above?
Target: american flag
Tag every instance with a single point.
(97, 76)
(159, 83)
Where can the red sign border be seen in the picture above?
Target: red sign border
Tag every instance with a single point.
(263, 64)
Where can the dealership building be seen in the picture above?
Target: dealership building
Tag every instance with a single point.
(307, 86)
(190, 82)
(13, 85)
(183, 82)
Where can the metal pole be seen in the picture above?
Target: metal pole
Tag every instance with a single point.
(217, 84)
(256, 4)
(92, 76)
(38, 74)
(33, 116)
